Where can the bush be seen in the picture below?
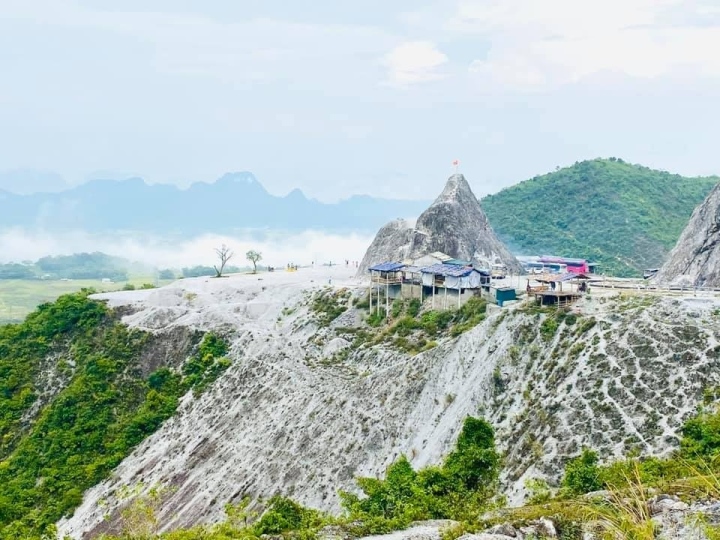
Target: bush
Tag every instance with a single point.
(328, 305)
(548, 328)
(285, 515)
(207, 365)
(582, 474)
(376, 318)
(397, 308)
(413, 307)
(538, 491)
(701, 436)
(457, 489)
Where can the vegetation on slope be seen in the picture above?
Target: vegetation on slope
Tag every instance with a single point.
(463, 488)
(103, 406)
(460, 488)
(626, 217)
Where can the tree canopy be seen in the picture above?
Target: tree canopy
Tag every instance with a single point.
(625, 217)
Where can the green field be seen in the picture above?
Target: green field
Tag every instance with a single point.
(18, 297)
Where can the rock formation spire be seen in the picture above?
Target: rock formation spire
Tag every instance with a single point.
(454, 224)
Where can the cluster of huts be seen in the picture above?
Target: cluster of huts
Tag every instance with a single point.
(450, 282)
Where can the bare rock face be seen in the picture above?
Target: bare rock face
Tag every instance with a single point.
(695, 259)
(292, 416)
(455, 224)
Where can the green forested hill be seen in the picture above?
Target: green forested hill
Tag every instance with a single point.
(626, 217)
(105, 399)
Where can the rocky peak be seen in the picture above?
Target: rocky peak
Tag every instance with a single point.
(695, 259)
(456, 188)
(454, 224)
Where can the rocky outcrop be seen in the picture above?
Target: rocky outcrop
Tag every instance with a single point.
(454, 224)
(695, 259)
(670, 518)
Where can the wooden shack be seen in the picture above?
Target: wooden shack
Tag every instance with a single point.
(462, 282)
(550, 290)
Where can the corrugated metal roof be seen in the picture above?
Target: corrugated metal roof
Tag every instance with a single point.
(448, 270)
(457, 262)
(387, 267)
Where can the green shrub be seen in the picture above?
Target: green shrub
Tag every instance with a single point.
(284, 515)
(376, 318)
(457, 489)
(404, 326)
(207, 364)
(586, 325)
(362, 303)
(701, 436)
(582, 474)
(538, 491)
(548, 328)
(413, 307)
(397, 308)
(329, 304)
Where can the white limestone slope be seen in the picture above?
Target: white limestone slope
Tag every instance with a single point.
(289, 417)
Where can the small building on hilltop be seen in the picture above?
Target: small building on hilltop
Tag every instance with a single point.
(551, 291)
(500, 295)
(575, 266)
(388, 277)
(453, 284)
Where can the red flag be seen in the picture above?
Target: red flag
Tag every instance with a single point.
(456, 162)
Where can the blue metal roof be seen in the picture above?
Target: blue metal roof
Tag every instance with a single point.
(387, 267)
(448, 270)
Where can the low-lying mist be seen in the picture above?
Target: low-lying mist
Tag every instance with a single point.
(278, 248)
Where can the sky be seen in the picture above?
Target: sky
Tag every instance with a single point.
(338, 97)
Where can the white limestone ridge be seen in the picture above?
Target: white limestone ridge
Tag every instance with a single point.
(289, 417)
(695, 259)
(454, 224)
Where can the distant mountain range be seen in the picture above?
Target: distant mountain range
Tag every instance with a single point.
(235, 201)
(626, 217)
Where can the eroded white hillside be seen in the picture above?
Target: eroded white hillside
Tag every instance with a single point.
(292, 416)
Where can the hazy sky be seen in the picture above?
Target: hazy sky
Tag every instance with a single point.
(337, 97)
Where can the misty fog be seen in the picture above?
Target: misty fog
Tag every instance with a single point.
(278, 248)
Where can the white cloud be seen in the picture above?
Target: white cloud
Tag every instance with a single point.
(414, 62)
(278, 248)
(545, 44)
(250, 50)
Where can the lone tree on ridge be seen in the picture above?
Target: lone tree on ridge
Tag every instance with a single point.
(254, 256)
(225, 254)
